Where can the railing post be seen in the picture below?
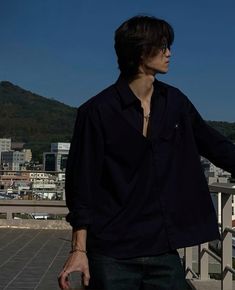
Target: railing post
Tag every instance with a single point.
(188, 262)
(9, 215)
(226, 220)
(203, 262)
(63, 194)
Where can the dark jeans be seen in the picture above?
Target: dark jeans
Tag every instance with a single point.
(161, 272)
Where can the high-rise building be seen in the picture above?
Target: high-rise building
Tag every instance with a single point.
(56, 159)
(62, 148)
(5, 145)
(12, 160)
(27, 155)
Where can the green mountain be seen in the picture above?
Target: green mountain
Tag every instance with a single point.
(38, 121)
(225, 128)
(35, 120)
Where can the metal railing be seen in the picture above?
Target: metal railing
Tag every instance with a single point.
(225, 258)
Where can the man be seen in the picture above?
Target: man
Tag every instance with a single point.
(135, 187)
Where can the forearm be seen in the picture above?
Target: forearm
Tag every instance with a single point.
(79, 239)
(77, 260)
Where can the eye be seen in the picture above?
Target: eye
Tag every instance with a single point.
(164, 47)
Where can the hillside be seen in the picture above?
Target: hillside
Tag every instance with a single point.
(225, 128)
(33, 119)
(37, 121)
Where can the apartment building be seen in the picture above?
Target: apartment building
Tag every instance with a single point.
(12, 160)
(5, 145)
(56, 159)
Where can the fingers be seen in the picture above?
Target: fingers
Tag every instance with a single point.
(86, 276)
(76, 262)
(63, 280)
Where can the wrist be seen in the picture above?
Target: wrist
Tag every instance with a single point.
(74, 249)
(78, 243)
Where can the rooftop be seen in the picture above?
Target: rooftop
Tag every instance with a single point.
(32, 258)
(33, 251)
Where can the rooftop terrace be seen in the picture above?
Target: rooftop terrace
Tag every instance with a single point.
(32, 258)
(32, 252)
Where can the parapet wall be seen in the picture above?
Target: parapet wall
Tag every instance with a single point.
(35, 224)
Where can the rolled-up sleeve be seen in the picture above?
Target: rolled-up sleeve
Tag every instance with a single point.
(83, 167)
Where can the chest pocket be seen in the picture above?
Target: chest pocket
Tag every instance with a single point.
(173, 131)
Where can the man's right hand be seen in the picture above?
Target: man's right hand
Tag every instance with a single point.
(77, 261)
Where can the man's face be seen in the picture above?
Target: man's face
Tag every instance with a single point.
(157, 63)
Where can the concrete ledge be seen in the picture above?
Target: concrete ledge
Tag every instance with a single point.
(20, 202)
(9, 207)
(207, 285)
(35, 224)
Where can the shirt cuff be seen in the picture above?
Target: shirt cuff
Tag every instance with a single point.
(79, 220)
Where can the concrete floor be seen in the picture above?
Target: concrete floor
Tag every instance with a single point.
(31, 259)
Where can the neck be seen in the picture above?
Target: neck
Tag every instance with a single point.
(142, 86)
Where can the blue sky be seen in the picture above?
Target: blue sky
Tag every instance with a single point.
(63, 49)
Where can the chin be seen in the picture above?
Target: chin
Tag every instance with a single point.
(162, 71)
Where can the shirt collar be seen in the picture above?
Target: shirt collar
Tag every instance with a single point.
(128, 97)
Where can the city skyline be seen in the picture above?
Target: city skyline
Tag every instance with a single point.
(65, 51)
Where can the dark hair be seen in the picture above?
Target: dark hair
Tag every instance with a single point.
(140, 36)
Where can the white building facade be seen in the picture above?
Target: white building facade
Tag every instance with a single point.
(56, 159)
(12, 160)
(5, 145)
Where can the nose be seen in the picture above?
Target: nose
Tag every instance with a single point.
(168, 52)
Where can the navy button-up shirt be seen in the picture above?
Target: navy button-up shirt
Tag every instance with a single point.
(137, 195)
